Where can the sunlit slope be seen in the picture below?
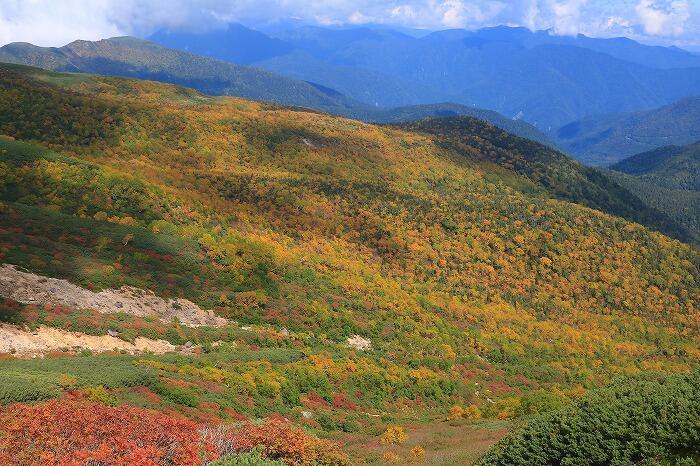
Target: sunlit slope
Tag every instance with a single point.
(333, 226)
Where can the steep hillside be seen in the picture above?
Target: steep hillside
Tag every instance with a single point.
(607, 139)
(126, 56)
(667, 178)
(420, 112)
(673, 166)
(383, 278)
(560, 176)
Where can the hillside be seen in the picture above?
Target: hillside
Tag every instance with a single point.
(130, 57)
(607, 139)
(673, 166)
(667, 178)
(548, 80)
(145, 60)
(443, 110)
(377, 280)
(548, 169)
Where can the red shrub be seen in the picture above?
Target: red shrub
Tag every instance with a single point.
(73, 431)
(278, 440)
(341, 401)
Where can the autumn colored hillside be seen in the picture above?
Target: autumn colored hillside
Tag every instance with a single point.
(485, 293)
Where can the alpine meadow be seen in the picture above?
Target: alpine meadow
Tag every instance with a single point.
(209, 257)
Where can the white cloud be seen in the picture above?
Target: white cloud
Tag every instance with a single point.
(566, 16)
(667, 18)
(461, 14)
(56, 22)
(404, 13)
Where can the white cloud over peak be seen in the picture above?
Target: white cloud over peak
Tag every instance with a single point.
(57, 22)
(567, 16)
(665, 18)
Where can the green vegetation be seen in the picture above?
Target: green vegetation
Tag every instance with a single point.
(645, 420)
(253, 458)
(34, 380)
(560, 176)
(672, 167)
(481, 282)
(668, 179)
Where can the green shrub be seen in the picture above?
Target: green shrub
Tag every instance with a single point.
(26, 387)
(253, 458)
(630, 422)
(40, 379)
(177, 395)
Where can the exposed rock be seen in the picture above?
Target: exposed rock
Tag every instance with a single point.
(307, 414)
(30, 288)
(189, 344)
(46, 339)
(359, 343)
(112, 333)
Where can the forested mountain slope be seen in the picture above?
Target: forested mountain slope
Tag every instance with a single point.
(548, 169)
(607, 139)
(443, 110)
(547, 79)
(479, 288)
(667, 178)
(130, 57)
(673, 166)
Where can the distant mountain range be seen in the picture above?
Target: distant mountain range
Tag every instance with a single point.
(607, 139)
(546, 79)
(668, 179)
(130, 57)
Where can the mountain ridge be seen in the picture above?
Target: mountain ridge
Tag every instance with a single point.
(553, 80)
(607, 139)
(132, 57)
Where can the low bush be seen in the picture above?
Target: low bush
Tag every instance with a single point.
(73, 431)
(278, 440)
(640, 420)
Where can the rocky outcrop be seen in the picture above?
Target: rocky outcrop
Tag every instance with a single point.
(30, 288)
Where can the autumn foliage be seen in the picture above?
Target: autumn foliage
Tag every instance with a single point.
(277, 439)
(74, 431)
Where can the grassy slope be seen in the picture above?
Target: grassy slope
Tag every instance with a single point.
(457, 270)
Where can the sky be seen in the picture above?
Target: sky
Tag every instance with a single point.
(58, 22)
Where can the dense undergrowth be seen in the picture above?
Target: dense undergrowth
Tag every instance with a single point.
(478, 290)
(645, 420)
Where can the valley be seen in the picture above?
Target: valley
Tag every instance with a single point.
(420, 234)
(485, 290)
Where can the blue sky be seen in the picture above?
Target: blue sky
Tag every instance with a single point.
(57, 22)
